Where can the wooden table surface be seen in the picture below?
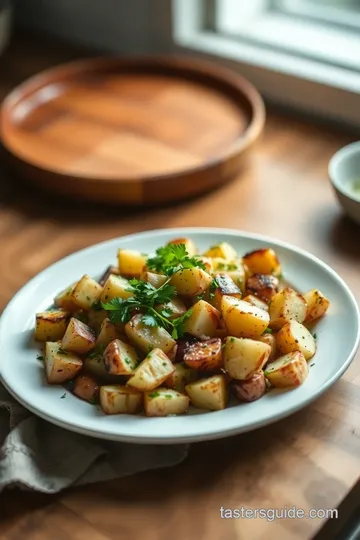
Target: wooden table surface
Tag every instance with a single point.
(309, 460)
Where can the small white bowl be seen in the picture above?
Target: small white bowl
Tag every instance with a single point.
(344, 170)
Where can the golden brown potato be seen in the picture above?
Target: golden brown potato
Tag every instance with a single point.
(60, 366)
(131, 262)
(147, 338)
(111, 270)
(152, 371)
(204, 355)
(293, 336)
(210, 394)
(251, 389)
(208, 262)
(243, 356)
(289, 371)
(119, 399)
(51, 325)
(191, 281)
(175, 308)
(165, 401)
(317, 305)
(95, 367)
(203, 320)
(156, 280)
(224, 286)
(120, 358)
(64, 300)
(95, 318)
(78, 338)
(108, 332)
(286, 306)
(116, 286)
(257, 302)
(86, 388)
(262, 261)
(86, 292)
(270, 339)
(181, 376)
(222, 251)
(264, 286)
(188, 243)
(242, 319)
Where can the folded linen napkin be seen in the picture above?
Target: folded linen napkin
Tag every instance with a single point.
(37, 455)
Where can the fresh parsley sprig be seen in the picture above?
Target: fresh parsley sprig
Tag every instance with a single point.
(172, 258)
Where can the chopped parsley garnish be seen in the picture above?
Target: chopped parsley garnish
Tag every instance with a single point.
(154, 394)
(61, 351)
(97, 351)
(40, 357)
(315, 336)
(268, 331)
(168, 396)
(63, 396)
(172, 258)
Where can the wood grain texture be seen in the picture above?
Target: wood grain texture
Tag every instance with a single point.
(311, 459)
(137, 131)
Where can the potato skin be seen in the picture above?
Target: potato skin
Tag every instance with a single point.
(242, 319)
(131, 263)
(264, 286)
(86, 292)
(152, 372)
(191, 281)
(225, 286)
(146, 337)
(79, 338)
(51, 325)
(257, 302)
(286, 306)
(270, 339)
(203, 320)
(295, 337)
(119, 399)
(317, 305)
(60, 367)
(111, 270)
(204, 355)
(251, 389)
(120, 358)
(288, 371)
(210, 394)
(86, 388)
(262, 261)
(244, 356)
(165, 401)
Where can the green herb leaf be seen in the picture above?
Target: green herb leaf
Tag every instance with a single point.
(315, 335)
(63, 396)
(150, 320)
(154, 394)
(268, 331)
(172, 258)
(40, 357)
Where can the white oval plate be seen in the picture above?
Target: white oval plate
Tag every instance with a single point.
(338, 337)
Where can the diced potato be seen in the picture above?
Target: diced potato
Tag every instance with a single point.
(108, 332)
(243, 356)
(95, 318)
(191, 281)
(86, 388)
(242, 319)
(152, 371)
(116, 286)
(111, 270)
(295, 337)
(188, 243)
(262, 261)
(147, 338)
(204, 355)
(203, 320)
(120, 358)
(94, 366)
(225, 286)
(317, 305)
(239, 278)
(251, 389)
(79, 338)
(270, 339)
(118, 399)
(156, 280)
(286, 306)
(51, 325)
(265, 286)
(257, 302)
(131, 262)
(290, 370)
(60, 366)
(208, 262)
(210, 394)
(86, 292)
(165, 401)
(65, 299)
(175, 308)
(222, 250)
(181, 376)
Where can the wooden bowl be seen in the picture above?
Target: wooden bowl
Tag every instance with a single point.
(138, 131)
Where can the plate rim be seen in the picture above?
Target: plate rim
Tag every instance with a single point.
(216, 434)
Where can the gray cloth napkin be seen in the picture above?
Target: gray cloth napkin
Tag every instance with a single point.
(37, 455)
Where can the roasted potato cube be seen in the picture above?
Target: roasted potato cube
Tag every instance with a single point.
(208, 262)
(65, 299)
(188, 243)
(290, 370)
(222, 250)
(191, 281)
(86, 388)
(210, 394)
(51, 325)
(95, 318)
(257, 302)
(116, 286)
(180, 377)
(94, 366)
(295, 337)
(118, 399)
(242, 319)
(152, 371)
(78, 338)
(108, 332)
(148, 337)
(203, 320)
(263, 286)
(204, 355)
(317, 305)
(224, 286)
(251, 389)
(243, 356)
(286, 306)
(131, 262)
(270, 339)
(59, 365)
(86, 292)
(173, 309)
(239, 278)
(165, 401)
(262, 261)
(156, 280)
(120, 358)
(111, 270)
